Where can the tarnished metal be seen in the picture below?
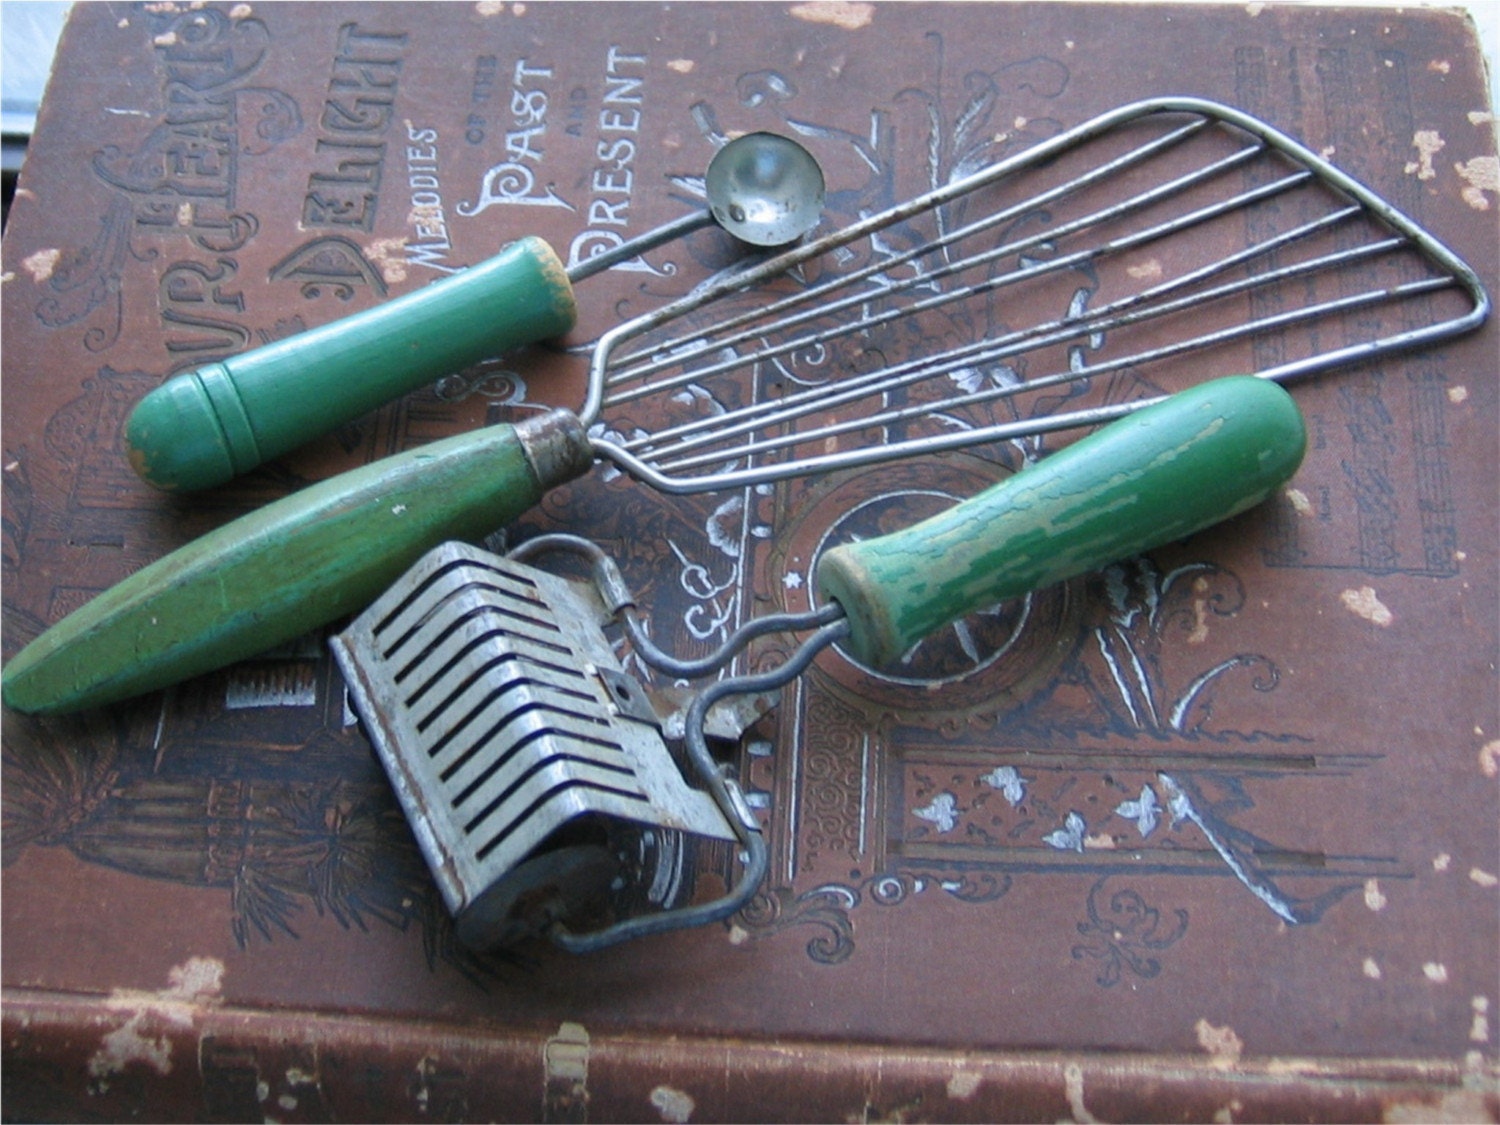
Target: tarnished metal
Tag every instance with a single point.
(555, 445)
(508, 729)
(530, 765)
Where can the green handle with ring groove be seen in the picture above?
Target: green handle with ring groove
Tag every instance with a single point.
(292, 566)
(206, 426)
(1149, 478)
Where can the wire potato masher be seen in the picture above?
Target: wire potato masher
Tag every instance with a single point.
(1159, 244)
(1095, 277)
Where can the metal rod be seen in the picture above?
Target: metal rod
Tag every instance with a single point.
(884, 265)
(642, 244)
(1137, 359)
(1062, 330)
(665, 662)
(947, 297)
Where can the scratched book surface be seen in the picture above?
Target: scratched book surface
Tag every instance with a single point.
(1227, 809)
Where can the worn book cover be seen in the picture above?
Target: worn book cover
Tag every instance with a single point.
(1210, 834)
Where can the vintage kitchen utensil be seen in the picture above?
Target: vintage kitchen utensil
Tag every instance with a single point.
(1151, 248)
(205, 426)
(537, 775)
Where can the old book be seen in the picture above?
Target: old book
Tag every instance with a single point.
(1208, 835)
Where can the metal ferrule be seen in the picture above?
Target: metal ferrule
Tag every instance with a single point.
(556, 445)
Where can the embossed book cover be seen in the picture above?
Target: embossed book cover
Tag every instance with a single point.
(1208, 833)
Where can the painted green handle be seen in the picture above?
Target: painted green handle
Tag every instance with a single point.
(291, 566)
(1149, 478)
(203, 427)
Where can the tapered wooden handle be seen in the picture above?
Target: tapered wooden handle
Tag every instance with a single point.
(1149, 478)
(205, 426)
(291, 566)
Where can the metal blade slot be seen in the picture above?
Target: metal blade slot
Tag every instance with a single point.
(481, 640)
(526, 722)
(475, 710)
(485, 617)
(563, 748)
(524, 614)
(514, 677)
(575, 796)
(522, 587)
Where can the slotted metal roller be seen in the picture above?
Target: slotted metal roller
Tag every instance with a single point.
(508, 726)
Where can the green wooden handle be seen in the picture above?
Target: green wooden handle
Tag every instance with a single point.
(291, 566)
(205, 426)
(1149, 478)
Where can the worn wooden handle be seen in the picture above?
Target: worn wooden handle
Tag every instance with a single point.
(1149, 478)
(291, 566)
(205, 426)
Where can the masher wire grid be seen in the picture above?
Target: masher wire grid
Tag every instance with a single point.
(1163, 244)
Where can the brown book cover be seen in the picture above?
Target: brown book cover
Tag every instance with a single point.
(1209, 835)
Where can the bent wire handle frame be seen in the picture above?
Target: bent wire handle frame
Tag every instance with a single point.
(831, 627)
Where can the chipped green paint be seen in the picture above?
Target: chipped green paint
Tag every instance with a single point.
(205, 426)
(1150, 478)
(288, 568)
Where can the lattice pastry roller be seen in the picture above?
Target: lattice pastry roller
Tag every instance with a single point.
(549, 790)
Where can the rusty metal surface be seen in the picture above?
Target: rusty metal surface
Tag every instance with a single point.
(1210, 834)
